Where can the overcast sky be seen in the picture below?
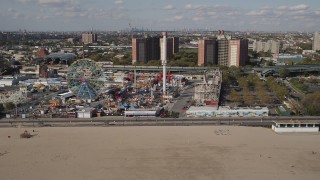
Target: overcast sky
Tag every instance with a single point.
(82, 15)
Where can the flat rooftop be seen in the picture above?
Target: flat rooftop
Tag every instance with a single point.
(297, 122)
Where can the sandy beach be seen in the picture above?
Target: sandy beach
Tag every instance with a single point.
(167, 153)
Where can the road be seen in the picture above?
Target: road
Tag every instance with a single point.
(184, 100)
(151, 121)
(295, 91)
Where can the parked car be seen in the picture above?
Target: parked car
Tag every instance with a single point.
(164, 115)
(185, 108)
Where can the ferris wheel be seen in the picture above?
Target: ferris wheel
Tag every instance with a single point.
(84, 78)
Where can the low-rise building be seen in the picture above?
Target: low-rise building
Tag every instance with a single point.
(284, 59)
(11, 80)
(15, 96)
(142, 112)
(289, 126)
(86, 113)
(226, 111)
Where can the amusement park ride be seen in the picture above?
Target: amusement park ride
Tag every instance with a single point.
(164, 64)
(84, 79)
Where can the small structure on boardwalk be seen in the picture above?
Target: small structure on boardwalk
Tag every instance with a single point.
(287, 126)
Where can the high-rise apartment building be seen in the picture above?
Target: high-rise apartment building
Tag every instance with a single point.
(237, 52)
(223, 51)
(153, 48)
(270, 45)
(207, 52)
(175, 44)
(89, 38)
(145, 49)
(316, 41)
(223, 45)
(139, 52)
(172, 47)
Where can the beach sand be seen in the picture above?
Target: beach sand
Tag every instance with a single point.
(168, 153)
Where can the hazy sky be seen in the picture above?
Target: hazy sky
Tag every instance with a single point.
(69, 15)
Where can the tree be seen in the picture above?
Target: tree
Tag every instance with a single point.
(264, 54)
(264, 97)
(243, 82)
(284, 73)
(305, 46)
(234, 96)
(1, 108)
(184, 57)
(234, 71)
(270, 63)
(299, 84)
(311, 103)
(9, 106)
(279, 90)
(154, 63)
(97, 57)
(248, 98)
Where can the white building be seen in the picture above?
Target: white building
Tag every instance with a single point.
(201, 111)
(19, 56)
(11, 80)
(8, 81)
(30, 70)
(226, 111)
(14, 96)
(271, 45)
(306, 52)
(295, 126)
(142, 112)
(86, 113)
(316, 41)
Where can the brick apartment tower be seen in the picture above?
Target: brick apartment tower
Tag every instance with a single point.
(41, 53)
(172, 47)
(139, 52)
(89, 38)
(237, 52)
(145, 49)
(176, 44)
(223, 43)
(207, 52)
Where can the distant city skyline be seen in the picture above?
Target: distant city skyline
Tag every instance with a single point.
(102, 15)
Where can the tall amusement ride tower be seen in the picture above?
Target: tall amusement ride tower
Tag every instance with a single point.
(164, 63)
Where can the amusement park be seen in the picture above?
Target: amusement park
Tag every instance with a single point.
(84, 88)
(91, 90)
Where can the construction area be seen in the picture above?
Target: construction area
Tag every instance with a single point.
(208, 91)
